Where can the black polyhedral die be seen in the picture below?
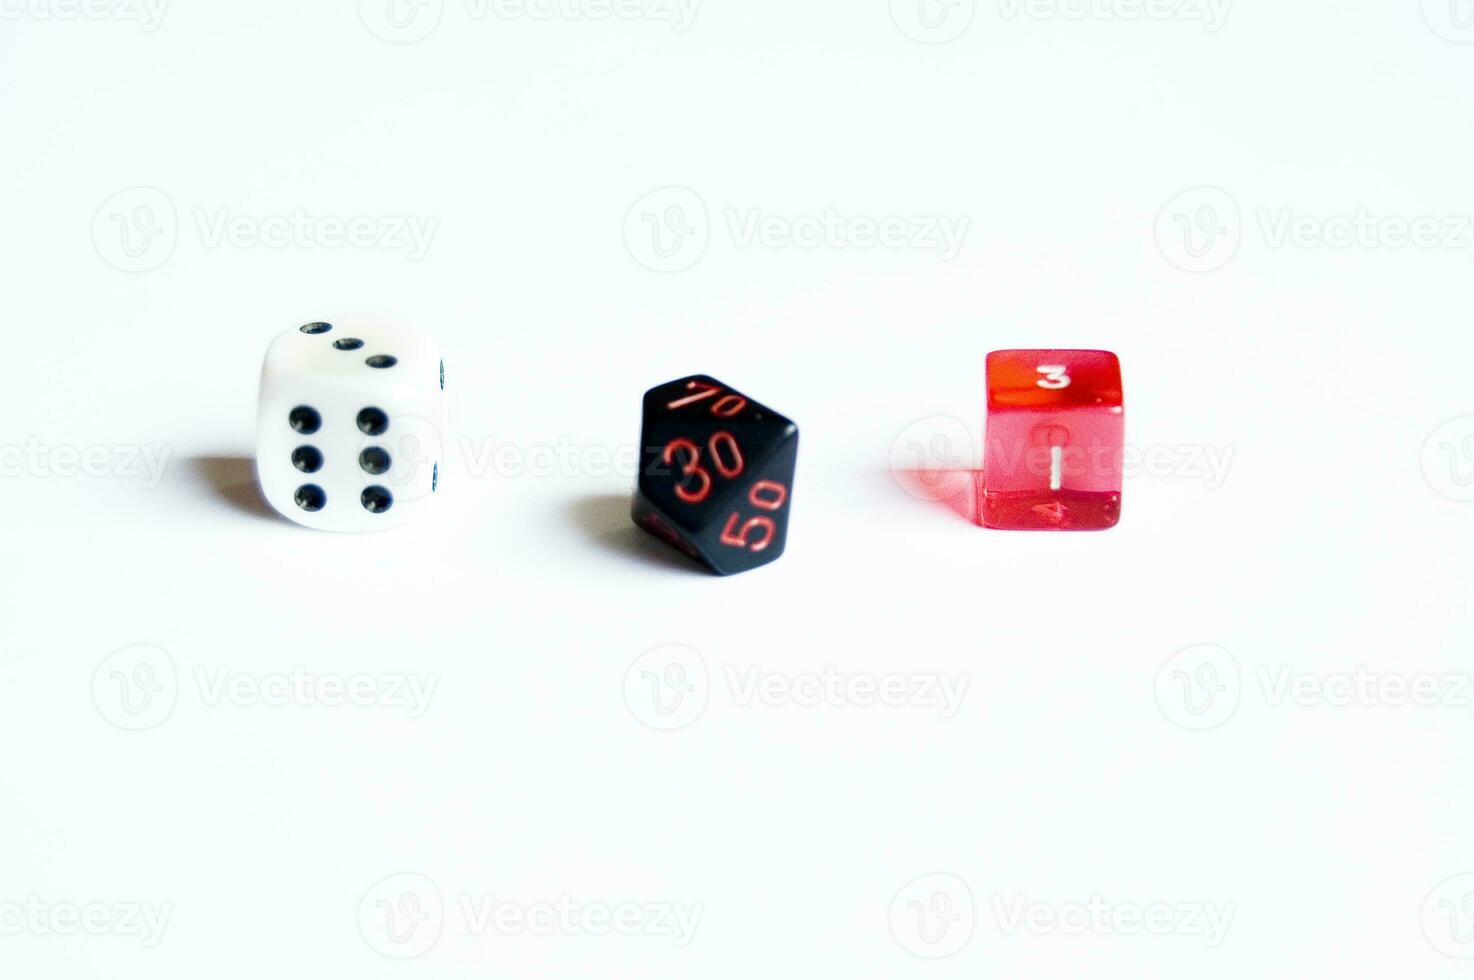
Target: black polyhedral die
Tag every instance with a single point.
(716, 474)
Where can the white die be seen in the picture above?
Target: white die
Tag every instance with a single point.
(351, 428)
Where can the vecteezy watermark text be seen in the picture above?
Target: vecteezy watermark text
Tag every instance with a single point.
(941, 21)
(830, 229)
(1366, 229)
(1098, 916)
(1212, 14)
(138, 687)
(567, 916)
(138, 230)
(408, 21)
(564, 458)
(1202, 687)
(38, 460)
(1200, 230)
(407, 233)
(943, 444)
(148, 14)
(935, 916)
(34, 916)
(670, 687)
(403, 917)
(670, 229)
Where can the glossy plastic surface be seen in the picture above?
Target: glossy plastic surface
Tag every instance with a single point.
(716, 474)
(1054, 440)
(351, 423)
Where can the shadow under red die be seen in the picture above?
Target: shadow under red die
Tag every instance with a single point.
(954, 489)
(1054, 441)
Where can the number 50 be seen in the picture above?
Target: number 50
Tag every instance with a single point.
(764, 495)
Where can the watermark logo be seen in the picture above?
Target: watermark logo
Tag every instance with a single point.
(1452, 20)
(401, 21)
(563, 459)
(402, 916)
(1448, 917)
(408, 21)
(407, 233)
(668, 688)
(1200, 229)
(933, 916)
(1098, 916)
(834, 688)
(680, 14)
(1212, 14)
(567, 916)
(38, 460)
(933, 21)
(136, 230)
(1364, 688)
(1448, 459)
(136, 688)
(406, 458)
(148, 14)
(144, 921)
(933, 444)
(1202, 687)
(1199, 688)
(221, 687)
(935, 458)
(668, 229)
(1367, 230)
(941, 234)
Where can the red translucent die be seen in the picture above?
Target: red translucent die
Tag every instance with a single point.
(1055, 433)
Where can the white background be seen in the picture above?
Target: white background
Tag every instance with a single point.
(1090, 759)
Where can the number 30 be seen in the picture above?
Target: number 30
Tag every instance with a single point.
(730, 467)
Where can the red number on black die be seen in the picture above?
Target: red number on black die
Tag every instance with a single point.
(716, 474)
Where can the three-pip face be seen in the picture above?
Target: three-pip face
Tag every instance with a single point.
(716, 474)
(351, 423)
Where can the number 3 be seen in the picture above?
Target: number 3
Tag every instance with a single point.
(1056, 376)
(690, 468)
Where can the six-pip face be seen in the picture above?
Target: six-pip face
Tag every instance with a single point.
(351, 423)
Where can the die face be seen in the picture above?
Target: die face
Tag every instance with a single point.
(1054, 441)
(1053, 379)
(351, 424)
(716, 474)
